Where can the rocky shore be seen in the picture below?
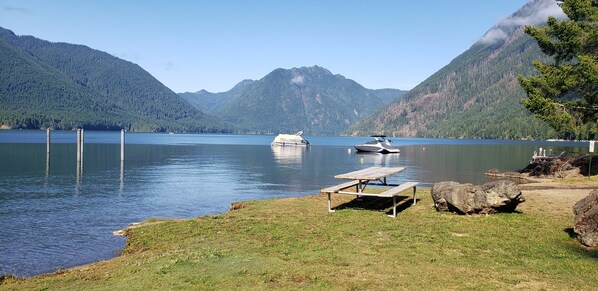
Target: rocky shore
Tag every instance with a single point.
(566, 171)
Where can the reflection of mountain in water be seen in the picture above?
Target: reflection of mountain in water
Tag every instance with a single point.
(377, 159)
(288, 156)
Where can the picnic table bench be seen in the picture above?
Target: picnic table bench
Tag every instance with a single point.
(371, 176)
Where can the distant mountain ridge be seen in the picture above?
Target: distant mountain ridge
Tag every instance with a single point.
(477, 94)
(209, 102)
(64, 86)
(311, 99)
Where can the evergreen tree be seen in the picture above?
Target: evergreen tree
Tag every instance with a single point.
(565, 94)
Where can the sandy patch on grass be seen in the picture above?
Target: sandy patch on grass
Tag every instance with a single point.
(553, 201)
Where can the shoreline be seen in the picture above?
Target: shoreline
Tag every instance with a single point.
(536, 193)
(533, 185)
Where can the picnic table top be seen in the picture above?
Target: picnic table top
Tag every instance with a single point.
(371, 173)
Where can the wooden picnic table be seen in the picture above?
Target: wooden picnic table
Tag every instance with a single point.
(368, 175)
(360, 179)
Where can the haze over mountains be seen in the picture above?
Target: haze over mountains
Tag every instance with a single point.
(64, 86)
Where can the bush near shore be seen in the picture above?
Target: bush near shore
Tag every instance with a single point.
(294, 243)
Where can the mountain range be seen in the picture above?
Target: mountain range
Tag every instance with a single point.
(311, 99)
(476, 95)
(65, 86)
(210, 102)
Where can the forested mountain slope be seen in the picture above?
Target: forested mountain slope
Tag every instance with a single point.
(209, 102)
(477, 95)
(64, 86)
(311, 99)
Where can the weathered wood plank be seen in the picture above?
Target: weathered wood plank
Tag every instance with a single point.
(337, 188)
(371, 173)
(396, 190)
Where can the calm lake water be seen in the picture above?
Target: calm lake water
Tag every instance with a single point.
(54, 215)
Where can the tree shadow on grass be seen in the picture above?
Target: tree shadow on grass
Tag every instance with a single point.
(380, 204)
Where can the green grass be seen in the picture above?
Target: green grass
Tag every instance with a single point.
(295, 244)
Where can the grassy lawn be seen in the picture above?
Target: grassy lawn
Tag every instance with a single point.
(296, 244)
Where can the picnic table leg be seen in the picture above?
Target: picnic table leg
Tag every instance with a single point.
(394, 207)
(360, 187)
(362, 184)
(329, 202)
(414, 197)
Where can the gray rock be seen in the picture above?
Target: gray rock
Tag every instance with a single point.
(586, 219)
(493, 197)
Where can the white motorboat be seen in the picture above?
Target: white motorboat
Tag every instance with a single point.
(379, 145)
(290, 140)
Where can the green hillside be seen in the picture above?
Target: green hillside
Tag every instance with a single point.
(65, 86)
(477, 95)
(209, 102)
(311, 99)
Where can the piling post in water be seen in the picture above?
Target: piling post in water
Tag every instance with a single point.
(82, 142)
(47, 164)
(78, 183)
(122, 176)
(122, 144)
(48, 140)
(78, 145)
(47, 152)
(82, 146)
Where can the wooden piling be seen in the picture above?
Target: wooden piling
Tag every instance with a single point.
(122, 144)
(82, 157)
(78, 145)
(47, 140)
(122, 175)
(78, 183)
(47, 164)
(47, 152)
(82, 142)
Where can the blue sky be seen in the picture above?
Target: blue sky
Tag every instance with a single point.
(212, 45)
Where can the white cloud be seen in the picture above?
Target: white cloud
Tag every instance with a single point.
(494, 35)
(537, 15)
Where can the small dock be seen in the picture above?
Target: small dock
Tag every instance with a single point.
(540, 156)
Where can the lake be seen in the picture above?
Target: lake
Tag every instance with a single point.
(55, 214)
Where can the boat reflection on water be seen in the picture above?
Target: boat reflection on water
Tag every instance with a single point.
(378, 159)
(288, 155)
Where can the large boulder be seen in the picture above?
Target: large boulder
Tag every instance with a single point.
(586, 219)
(493, 197)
